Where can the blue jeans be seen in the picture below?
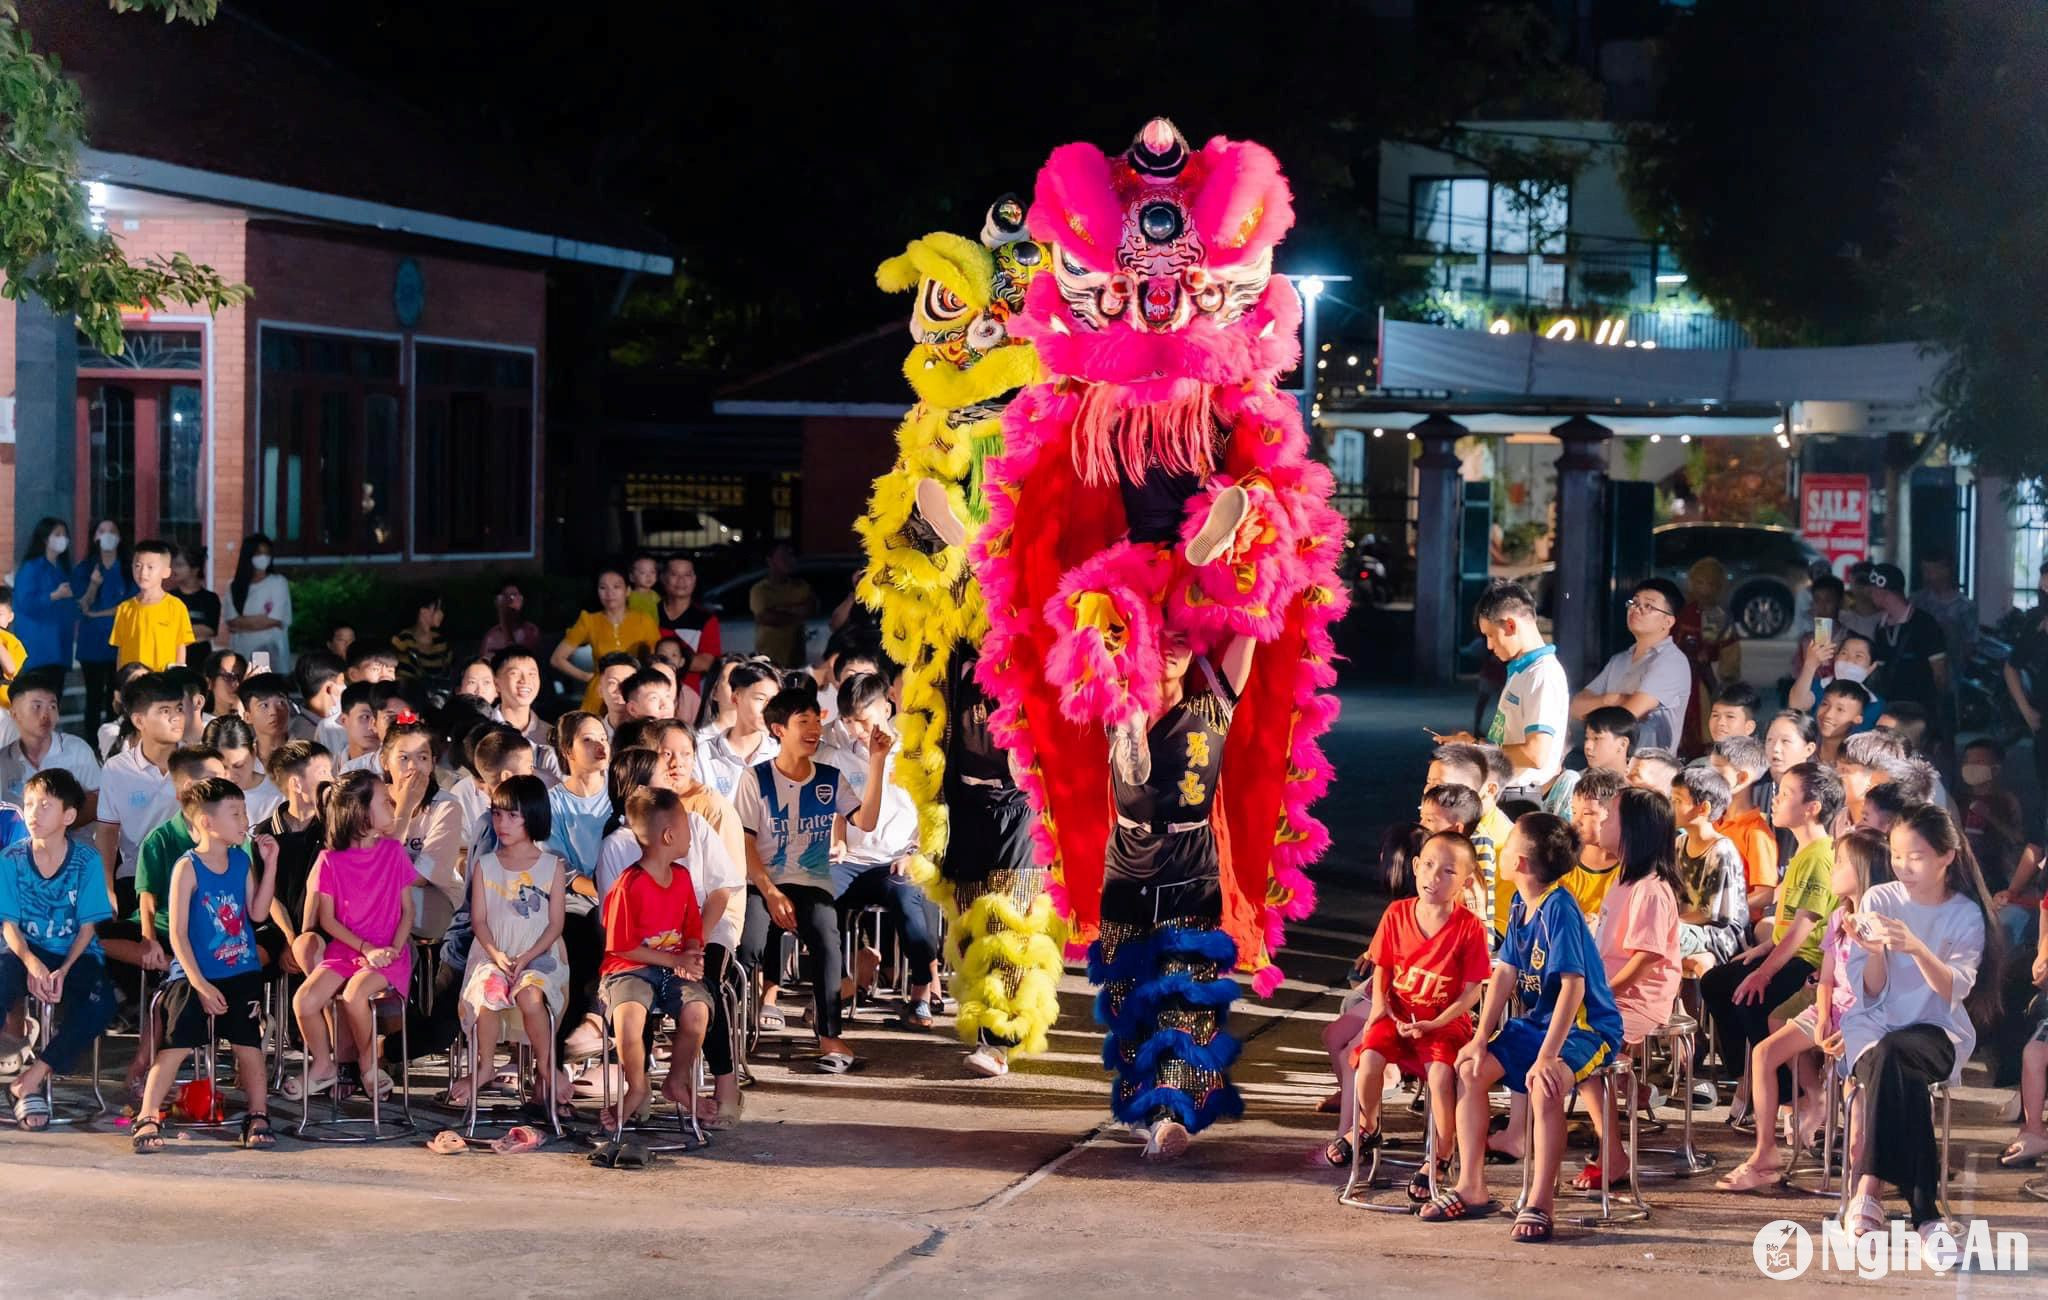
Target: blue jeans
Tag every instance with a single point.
(84, 1013)
(903, 903)
(2017, 920)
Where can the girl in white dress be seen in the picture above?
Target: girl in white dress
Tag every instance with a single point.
(517, 961)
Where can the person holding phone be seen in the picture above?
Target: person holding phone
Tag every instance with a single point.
(258, 610)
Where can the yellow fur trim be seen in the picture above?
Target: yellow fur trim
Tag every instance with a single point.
(995, 934)
(959, 263)
(950, 386)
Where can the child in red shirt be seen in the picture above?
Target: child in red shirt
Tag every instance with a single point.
(1430, 966)
(654, 955)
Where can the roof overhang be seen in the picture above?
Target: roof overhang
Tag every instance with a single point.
(242, 192)
(839, 410)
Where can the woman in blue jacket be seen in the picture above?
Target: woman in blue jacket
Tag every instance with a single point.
(45, 602)
(102, 583)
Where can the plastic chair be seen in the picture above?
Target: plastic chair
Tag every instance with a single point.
(387, 1012)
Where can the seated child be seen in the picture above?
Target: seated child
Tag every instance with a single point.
(2032, 1142)
(53, 892)
(1713, 912)
(1638, 942)
(517, 906)
(1429, 969)
(1655, 769)
(1455, 808)
(1810, 1030)
(654, 955)
(359, 918)
(215, 986)
(1610, 740)
(1400, 846)
(1740, 761)
(1734, 712)
(1466, 765)
(1549, 965)
(1596, 816)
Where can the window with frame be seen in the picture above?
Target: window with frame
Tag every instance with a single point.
(1494, 237)
(473, 444)
(330, 444)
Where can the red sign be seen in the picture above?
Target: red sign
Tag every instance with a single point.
(1834, 514)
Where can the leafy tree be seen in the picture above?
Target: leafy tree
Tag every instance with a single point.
(49, 245)
(1968, 270)
(1765, 167)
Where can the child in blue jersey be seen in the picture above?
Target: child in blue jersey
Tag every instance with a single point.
(791, 808)
(53, 892)
(216, 979)
(1567, 1027)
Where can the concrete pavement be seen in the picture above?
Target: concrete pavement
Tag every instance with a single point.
(908, 1179)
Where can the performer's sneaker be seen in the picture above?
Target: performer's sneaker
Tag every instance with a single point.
(1225, 515)
(1129, 751)
(987, 1062)
(1168, 1141)
(937, 512)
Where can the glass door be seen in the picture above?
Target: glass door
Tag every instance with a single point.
(141, 448)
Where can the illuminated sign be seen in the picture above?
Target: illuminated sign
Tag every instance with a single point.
(1610, 332)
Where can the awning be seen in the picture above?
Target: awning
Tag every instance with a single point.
(1470, 365)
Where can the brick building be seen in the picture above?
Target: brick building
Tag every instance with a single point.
(379, 399)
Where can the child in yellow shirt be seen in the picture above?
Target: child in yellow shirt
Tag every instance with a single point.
(13, 655)
(151, 628)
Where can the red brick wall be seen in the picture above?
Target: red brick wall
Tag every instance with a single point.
(841, 458)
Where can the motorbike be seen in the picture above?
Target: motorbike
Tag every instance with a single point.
(1983, 704)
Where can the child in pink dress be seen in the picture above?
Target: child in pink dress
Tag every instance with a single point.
(1638, 941)
(362, 900)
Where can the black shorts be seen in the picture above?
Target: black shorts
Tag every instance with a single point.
(271, 940)
(241, 1024)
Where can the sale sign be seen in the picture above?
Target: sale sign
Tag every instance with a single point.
(1834, 515)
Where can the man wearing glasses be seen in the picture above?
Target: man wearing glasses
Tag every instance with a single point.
(1650, 679)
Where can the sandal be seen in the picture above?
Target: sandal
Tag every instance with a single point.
(1588, 1177)
(518, 1139)
(1865, 1216)
(147, 1136)
(1337, 1155)
(1447, 1206)
(299, 1089)
(605, 1155)
(2026, 1150)
(32, 1113)
(838, 1063)
(771, 1019)
(1532, 1227)
(1749, 1176)
(633, 1156)
(448, 1143)
(918, 1015)
(255, 1138)
(1419, 1192)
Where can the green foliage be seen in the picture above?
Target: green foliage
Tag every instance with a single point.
(1971, 202)
(1518, 541)
(48, 244)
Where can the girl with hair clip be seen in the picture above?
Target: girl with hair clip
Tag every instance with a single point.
(1923, 962)
(362, 902)
(1638, 942)
(1812, 1029)
(429, 822)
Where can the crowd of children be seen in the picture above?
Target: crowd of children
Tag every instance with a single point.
(1809, 898)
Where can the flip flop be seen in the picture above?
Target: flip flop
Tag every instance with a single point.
(2025, 1152)
(605, 1155)
(633, 1156)
(32, 1113)
(518, 1139)
(1418, 1186)
(1541, 1227)
(1749, 1177)
(838, 1063)
(448, 1143)
(1447, 1207)
(771, 1019)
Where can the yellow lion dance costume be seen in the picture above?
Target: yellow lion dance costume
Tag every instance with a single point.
(974, 824)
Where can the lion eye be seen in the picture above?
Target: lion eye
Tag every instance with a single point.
(941, 303)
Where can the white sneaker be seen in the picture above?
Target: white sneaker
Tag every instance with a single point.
(1168, 1140)
(987, 1062)
(1220, 529)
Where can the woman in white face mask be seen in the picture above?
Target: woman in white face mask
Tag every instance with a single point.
(102, 582)
(1843, 657)
(45, 603)
(258, 608)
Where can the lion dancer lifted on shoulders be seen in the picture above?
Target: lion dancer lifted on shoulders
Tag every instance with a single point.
(974, 824)
(1160, 570)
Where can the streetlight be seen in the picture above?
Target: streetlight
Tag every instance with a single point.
(1311, 288)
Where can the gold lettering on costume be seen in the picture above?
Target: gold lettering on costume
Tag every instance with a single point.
(1192, 791)
(1198, 748)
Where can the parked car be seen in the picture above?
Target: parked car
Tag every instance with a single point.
(1767, 569)
(830, 576)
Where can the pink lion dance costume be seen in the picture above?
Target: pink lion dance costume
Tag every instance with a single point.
(1156, 501)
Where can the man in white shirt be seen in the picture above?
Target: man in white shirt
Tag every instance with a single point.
(1529, 722)
(1652, 679)
(873, 867)
(38, 744)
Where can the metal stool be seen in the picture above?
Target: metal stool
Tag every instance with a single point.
(45, 1016)
(1685, 1160)
(1834, 1124)
(2036, 1188)
(1937, 1095)
(524, 1053)
(849, 946)
(277, 993)
(1358, 1190)
(387, 1010)
(689, 1131)
(1619, 1074)
(210, 1052)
